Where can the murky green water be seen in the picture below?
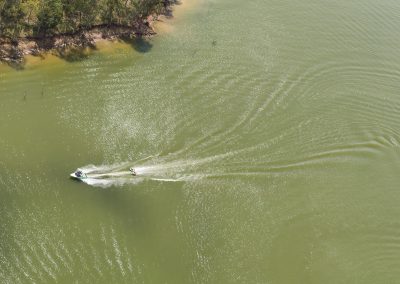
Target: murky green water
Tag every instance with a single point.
(273, 131)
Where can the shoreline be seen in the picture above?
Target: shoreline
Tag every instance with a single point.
(78, 46)
(75, 46)
(67, 45)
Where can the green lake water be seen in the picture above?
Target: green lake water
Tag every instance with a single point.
(265, 134)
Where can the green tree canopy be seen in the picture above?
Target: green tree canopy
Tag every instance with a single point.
(48, 17)
(11, 18)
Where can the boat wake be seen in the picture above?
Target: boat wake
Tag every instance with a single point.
(164, 169)
(119, 174)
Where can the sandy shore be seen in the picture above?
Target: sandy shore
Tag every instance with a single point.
(165, 24)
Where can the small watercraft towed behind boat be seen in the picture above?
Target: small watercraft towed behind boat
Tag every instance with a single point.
(79, 174)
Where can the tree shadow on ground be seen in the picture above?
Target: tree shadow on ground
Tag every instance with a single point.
(169, 8)
(11, 55)
(72, 51)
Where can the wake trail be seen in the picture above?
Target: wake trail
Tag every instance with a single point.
(119, 174)
(160, 169)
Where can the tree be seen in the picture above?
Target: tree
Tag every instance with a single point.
(146, 7)
(49, 17)
(11, 18)
(79, 14)
(116, 11)
(30, 8)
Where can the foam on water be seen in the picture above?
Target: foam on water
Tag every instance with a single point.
(103, 182)
(162, 169)
(119, 175)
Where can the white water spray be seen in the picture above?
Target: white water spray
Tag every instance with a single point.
(119, 174)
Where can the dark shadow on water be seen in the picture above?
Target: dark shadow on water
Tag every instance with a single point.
(81, 51)
(73, 54)
(19, 66)
(139, 44)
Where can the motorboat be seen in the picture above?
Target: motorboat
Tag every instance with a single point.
(133, 171)
(79, 175)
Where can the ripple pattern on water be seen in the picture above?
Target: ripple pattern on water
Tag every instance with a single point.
(265, 136)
